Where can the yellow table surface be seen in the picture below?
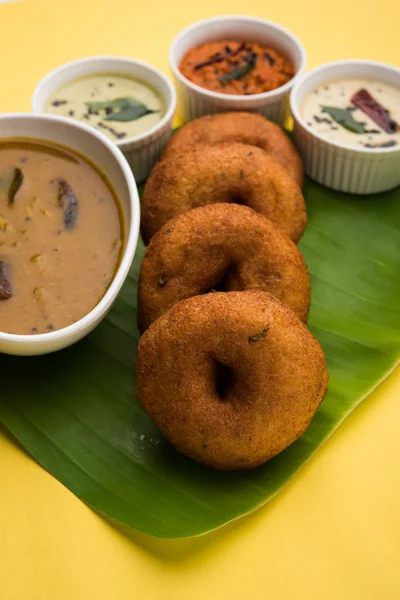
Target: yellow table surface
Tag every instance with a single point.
(334, 532)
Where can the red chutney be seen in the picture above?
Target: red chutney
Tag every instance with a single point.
(232, 67)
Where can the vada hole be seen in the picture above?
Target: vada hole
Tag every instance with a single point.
(237, 198)
(222, 284)
(224, 380)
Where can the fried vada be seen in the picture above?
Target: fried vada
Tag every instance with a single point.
(231, 172)
(225, 247)
(247, 128)
(231, 379)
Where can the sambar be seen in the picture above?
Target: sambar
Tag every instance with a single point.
(61, 236)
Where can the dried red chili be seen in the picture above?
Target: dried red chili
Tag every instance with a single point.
(371, 107)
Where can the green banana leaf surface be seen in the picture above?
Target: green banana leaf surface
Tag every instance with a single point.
(76, 411)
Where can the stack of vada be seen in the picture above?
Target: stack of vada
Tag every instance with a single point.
(226, 366)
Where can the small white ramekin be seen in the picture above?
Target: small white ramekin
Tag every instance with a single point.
(195, 101)
(336, 165)
(106, 156)
(141, 151)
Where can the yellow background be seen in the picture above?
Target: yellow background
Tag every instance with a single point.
(334, 533)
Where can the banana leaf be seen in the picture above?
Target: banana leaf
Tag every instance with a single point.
(76, 412)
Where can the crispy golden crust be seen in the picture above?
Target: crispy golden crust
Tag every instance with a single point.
(244, 127)
(229, 172)
(220, 246)
(231, 379)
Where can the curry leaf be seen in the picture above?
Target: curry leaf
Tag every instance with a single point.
(16, 183)
(344, 117)
(122, 109)
(239, 72)
(131, 113)
(116, 103)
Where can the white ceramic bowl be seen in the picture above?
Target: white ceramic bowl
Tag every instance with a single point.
(195, 101)
(141, 151)
(106, 156)
(336, 165)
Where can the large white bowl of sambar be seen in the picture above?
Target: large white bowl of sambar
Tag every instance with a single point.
(69, 226)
